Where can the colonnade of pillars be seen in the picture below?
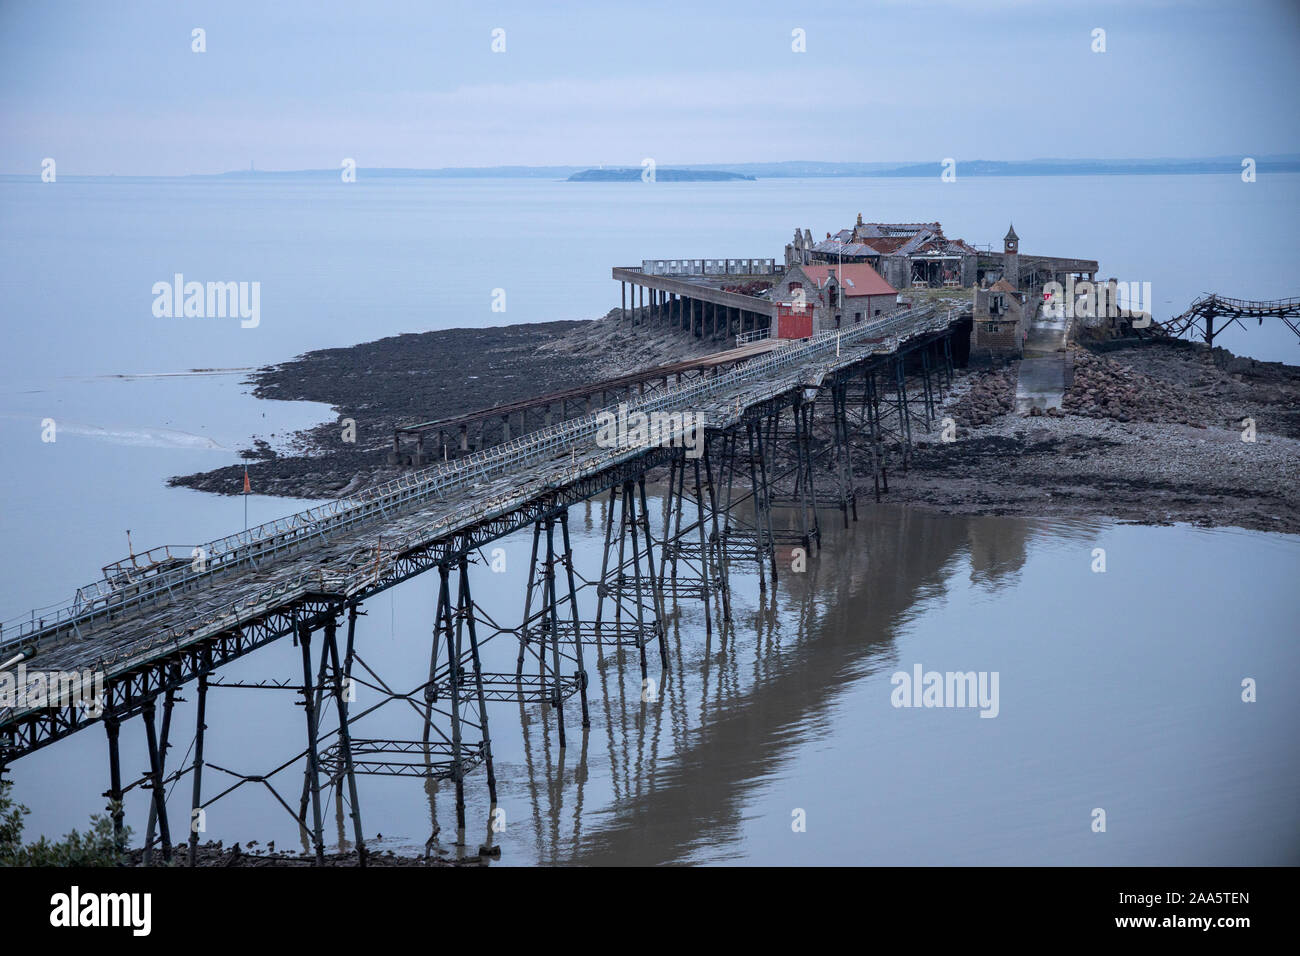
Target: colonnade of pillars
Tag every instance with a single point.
(703, 318)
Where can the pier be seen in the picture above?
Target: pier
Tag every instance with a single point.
(791, 425)
(1200, 317)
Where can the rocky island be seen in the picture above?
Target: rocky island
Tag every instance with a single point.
(633, 174)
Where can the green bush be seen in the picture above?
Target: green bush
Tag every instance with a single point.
(94, 847)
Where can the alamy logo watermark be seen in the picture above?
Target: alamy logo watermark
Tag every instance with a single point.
(922, 688)
(1094, 300)
(637, 429)
(21, 689)
(75, 908)
(212, 300)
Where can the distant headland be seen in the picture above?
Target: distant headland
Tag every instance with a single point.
(635, 174)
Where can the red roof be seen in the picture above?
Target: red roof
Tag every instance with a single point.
(857, 278)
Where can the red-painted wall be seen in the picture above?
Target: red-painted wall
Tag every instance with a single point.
(792, 323)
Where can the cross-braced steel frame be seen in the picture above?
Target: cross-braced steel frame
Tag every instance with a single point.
(718, 507)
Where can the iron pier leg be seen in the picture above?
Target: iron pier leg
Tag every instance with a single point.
(155, 777)
(935, 381)
(467, 611)
(676, 492)
(577, 627)
(345, 735)
(728, 467)
(802, 466)
(112, 726)
(840, 412)
(629, 509)
(528, 603)
(939, 373)
(767, 502)
(656, 576)
(905, 420)
(665, 552)
(812, 484)
(879, 436)
(871, 404)
(200, 725)
(848, 453)
(758, 518)
(318, 710)
(704, 552)
(431, 687)
(927, 389)
(553, 631)
(619, 575)
(313, 757)
(164, 744)
(724, 582)
(454, 668)
(602, 588)
(349, 655)
(840, 435)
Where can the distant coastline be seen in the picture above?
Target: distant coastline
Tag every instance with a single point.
(808, 169)
(791, 169)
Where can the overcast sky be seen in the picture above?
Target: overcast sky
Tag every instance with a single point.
(115, 88)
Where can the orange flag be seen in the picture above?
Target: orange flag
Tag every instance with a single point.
(248, 489)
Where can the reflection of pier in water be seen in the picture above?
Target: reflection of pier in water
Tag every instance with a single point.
(680, 783)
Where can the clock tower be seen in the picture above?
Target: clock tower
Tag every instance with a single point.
(1011, 257)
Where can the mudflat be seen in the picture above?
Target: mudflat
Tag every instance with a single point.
(1152, 431)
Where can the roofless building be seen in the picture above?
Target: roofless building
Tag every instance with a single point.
(852, 276)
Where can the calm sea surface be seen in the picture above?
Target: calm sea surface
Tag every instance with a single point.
(1118, 691)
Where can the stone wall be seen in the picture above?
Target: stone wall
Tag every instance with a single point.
(1001, 332)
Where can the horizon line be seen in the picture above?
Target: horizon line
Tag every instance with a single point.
(875, 167)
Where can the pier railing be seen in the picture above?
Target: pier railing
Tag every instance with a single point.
(1250, 305)
(161, 574)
